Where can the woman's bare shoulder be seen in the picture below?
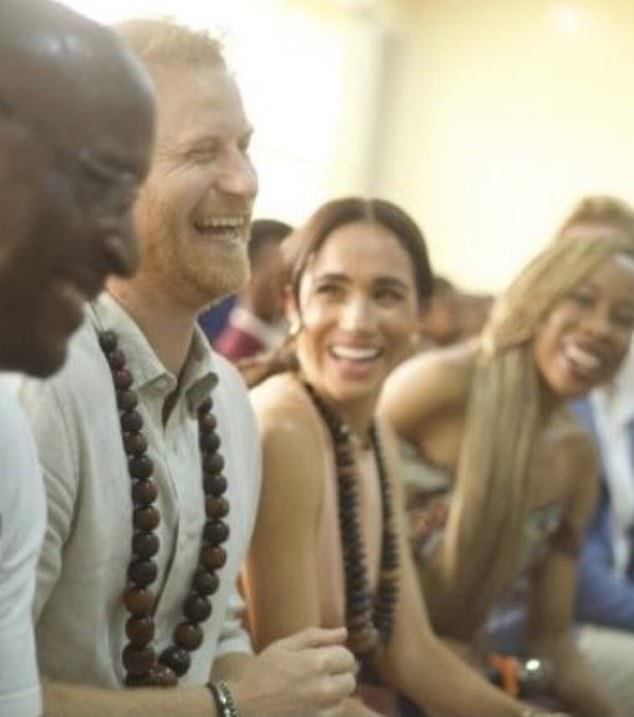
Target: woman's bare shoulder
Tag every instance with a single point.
(428, 384)
(283, 408)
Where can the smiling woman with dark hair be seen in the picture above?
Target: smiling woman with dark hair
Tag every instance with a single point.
(329, 546)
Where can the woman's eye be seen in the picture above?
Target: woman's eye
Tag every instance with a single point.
(624, 320)
(582, 299)
(388, 295)
(329, 290)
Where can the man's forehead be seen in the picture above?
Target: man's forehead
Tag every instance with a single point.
(201, 104)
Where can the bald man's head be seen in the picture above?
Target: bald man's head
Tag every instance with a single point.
(52, 58)
(76, 134)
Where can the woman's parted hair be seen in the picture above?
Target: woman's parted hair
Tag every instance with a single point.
(483, 540)
(305, 241)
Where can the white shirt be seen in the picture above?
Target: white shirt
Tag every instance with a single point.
(22, 520)
(613, 408)
(82, 572)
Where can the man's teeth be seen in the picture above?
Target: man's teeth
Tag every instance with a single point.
(586, 360)
(220, 222)
(355, 353)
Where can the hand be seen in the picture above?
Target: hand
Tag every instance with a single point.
(297, 676)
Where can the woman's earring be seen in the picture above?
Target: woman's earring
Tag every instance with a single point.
(294, 327)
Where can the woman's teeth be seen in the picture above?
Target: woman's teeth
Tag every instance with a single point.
(583, 359)
(355, 353)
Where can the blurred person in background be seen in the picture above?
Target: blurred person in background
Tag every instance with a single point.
(256, 323)
(453, 315)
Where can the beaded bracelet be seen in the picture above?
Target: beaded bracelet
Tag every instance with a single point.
(225, 705)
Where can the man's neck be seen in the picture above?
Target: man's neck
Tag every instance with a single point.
(168, 327)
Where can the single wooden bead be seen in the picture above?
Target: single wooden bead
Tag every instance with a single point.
(144, 492)
(216, 506)
(146, 518)
(122, 378)
(207, 423)
(214, 484)
(142, 572)
(138, 601)
(206, 582)
(188, 636)
(145, 545)
(213, 557)
(135, 444)
(141, 466)
(215, 531)
(213, 464)
(127, 400)
(197, 608)
(138, 661)
(390, 576)
(205, 406)
(163, 676)
(209, 442)
(116, 359)
(140, 630)
(131, 422)
(177, 659)
(108, 340)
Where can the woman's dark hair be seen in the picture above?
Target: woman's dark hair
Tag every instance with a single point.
(305, 241)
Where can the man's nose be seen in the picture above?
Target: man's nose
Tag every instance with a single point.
(237, 176)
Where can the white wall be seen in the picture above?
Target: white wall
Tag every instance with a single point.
(507, 112)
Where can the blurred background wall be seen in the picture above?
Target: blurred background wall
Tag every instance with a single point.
(486, 119)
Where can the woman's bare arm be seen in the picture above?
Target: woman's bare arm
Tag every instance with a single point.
(550, 620)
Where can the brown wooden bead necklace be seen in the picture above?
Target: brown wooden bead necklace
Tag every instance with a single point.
(143, 667)
(369, 618)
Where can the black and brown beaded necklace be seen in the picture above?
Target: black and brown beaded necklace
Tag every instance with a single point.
(143, 667)
(369, 618)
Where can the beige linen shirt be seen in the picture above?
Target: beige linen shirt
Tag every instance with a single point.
(87, 549)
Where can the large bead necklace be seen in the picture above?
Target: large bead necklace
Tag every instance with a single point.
(369, 618)
(143, 667)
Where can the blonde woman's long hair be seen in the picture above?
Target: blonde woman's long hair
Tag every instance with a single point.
(483, 540)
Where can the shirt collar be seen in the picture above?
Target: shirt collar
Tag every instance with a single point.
(198, 377)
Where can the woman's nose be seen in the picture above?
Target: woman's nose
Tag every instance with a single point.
(357, 315)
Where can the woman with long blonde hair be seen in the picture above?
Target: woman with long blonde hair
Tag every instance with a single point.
(492, 416)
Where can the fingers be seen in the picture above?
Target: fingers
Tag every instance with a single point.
(315, 637)
(337, 660)
(337, 689)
